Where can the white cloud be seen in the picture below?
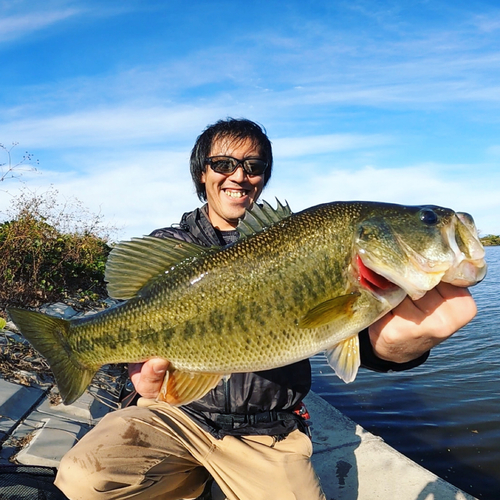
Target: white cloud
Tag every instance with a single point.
(478, 195)
(292, 147)
(493, 150)
(20, 26)
(486, 23)
(138, 191)
(109, 126)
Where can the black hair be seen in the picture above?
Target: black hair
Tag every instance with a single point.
(232, 128)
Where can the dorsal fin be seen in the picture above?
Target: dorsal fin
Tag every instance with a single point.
(131, 264)
(260, 217)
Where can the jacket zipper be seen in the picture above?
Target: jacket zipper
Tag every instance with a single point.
(227, 395)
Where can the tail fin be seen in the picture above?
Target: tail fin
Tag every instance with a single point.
(49, 336)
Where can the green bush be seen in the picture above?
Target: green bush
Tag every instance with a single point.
(51, 252)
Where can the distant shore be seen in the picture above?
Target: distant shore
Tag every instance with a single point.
(490, 240)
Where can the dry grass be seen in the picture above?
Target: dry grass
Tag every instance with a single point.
(22, 364)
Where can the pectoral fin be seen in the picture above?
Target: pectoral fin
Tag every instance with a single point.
(344, 358)
(329, 311)
(180, 388)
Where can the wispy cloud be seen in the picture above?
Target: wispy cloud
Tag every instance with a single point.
(20, 26)
(486, 23)
(138, 190)
(109, 126)
(294, 147)
(408, 185)
(21, 18)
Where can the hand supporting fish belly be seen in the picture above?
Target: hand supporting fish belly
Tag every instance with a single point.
(293, 285)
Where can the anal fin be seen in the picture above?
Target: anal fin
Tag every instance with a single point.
(180, 387)
(345, 359)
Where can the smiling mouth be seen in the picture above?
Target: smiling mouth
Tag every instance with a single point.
(235, 194)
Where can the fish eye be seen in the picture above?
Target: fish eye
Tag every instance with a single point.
(428, 216)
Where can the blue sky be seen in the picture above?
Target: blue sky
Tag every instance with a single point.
(393, 101)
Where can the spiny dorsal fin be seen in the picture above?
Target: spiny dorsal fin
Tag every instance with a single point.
(131, 264)
(260, 217)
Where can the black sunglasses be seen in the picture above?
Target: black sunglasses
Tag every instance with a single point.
(228, 164)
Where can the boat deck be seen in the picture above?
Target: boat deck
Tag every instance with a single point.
(351, 462)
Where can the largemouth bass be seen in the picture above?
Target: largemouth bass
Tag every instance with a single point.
(293, 285)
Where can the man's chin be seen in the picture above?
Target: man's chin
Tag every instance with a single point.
(236, 210)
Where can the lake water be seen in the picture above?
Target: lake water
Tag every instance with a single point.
(445, 414)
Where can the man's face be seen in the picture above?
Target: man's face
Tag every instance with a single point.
(229, 195)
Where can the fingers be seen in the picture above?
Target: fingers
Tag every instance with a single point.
(148, 377)
(460, 301)
(414, 327)
(443, 292)
(446, 309)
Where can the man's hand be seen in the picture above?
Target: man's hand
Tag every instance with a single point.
(148, 377)
(415, 327)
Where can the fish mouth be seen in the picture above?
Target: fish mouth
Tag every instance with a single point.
(469, 267)
(460, 262)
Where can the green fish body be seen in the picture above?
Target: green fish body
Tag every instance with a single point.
(292, 286)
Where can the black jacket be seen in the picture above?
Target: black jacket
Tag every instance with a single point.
(256, 403)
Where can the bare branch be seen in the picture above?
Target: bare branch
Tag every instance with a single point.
(10, 171)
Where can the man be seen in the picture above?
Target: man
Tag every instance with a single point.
(244, 432)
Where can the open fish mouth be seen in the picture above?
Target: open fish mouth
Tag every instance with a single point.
(383, 289)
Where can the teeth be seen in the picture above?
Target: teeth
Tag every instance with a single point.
(235, 194)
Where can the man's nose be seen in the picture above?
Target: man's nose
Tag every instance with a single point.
(239, 174)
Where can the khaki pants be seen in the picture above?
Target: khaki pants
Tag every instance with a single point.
(154, 451)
